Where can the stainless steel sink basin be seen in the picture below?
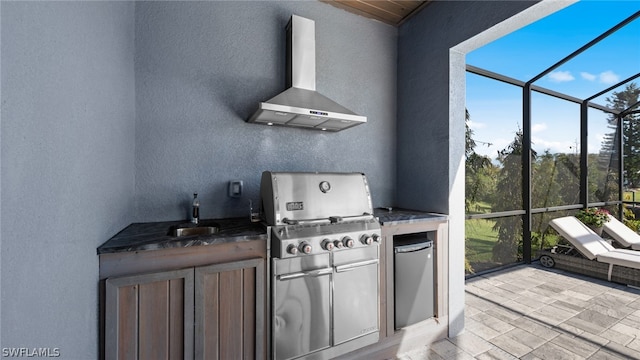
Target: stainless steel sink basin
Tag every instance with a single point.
(191, 231)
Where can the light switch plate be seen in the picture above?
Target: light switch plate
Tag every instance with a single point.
(235, 188)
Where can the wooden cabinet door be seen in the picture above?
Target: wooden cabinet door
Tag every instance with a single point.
(230, 308)
(150, 316)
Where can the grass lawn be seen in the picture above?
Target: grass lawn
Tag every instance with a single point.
(480, 239)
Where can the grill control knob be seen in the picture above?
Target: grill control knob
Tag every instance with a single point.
(327, 244)
(305, 247)
(348, 242)
(338, 244)
(292, 249)
(376, 238)
(366, 239)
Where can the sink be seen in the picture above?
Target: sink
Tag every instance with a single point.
(180, 231)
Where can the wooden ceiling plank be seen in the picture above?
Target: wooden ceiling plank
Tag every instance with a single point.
(393, 12)
(369, 8)
(401, 8)
(353, 10)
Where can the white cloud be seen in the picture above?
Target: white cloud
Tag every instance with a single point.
(554, 146)
(536, 128)
(561, 76)
(588, 76)
(476, 125)
(609, 77)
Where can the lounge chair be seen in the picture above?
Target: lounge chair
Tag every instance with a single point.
(622, 234)
(593, 255)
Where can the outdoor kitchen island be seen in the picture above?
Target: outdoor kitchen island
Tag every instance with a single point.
(143, 268)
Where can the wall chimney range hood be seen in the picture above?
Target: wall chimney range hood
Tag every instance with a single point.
(301, 105)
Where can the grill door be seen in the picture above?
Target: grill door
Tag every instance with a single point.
(355, 300)
(300, 319)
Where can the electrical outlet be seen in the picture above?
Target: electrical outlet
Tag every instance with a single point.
(235, 188)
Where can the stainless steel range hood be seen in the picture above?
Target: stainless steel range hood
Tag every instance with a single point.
(301, 105)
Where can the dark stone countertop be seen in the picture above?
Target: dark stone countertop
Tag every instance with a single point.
(155, 235)
(397, 216)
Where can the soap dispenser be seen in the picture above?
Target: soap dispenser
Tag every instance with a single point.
(195, 209)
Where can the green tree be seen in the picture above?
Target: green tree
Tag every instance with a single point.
(478, 182)
(509, 197)
(620, 101)
(556, 181)
(545, 190)
(568, 178)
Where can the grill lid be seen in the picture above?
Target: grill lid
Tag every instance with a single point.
(298, 197)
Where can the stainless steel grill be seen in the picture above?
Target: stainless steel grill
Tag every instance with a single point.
(325, 263)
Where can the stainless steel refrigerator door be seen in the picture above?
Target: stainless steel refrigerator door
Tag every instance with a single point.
(355, 294)
(301, 321)
(414, 287)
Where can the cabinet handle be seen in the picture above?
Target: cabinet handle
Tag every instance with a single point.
(320, 272)
(347, 267)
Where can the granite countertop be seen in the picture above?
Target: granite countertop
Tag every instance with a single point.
(397, 216)
(155, 235)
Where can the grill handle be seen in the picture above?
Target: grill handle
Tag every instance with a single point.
(319, 272)
(302, 222)
(363, 217)
(352, 266)
(330, 220)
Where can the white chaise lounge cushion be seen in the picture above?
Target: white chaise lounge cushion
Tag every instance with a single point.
(622, 257)
(580, 236)
(622, 233)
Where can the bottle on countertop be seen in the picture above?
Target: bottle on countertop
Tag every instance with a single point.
(195, 209)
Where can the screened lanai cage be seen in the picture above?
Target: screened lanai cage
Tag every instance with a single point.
(556, 149)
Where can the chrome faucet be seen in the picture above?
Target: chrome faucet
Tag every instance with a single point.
(195, 209)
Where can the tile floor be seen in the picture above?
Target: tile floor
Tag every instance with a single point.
(529, 312)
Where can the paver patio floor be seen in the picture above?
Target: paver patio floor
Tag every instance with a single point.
(530, 312)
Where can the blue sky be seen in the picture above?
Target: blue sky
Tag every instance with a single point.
(496, 109)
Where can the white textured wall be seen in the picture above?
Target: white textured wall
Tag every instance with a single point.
(67, 178)
(201, 70)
